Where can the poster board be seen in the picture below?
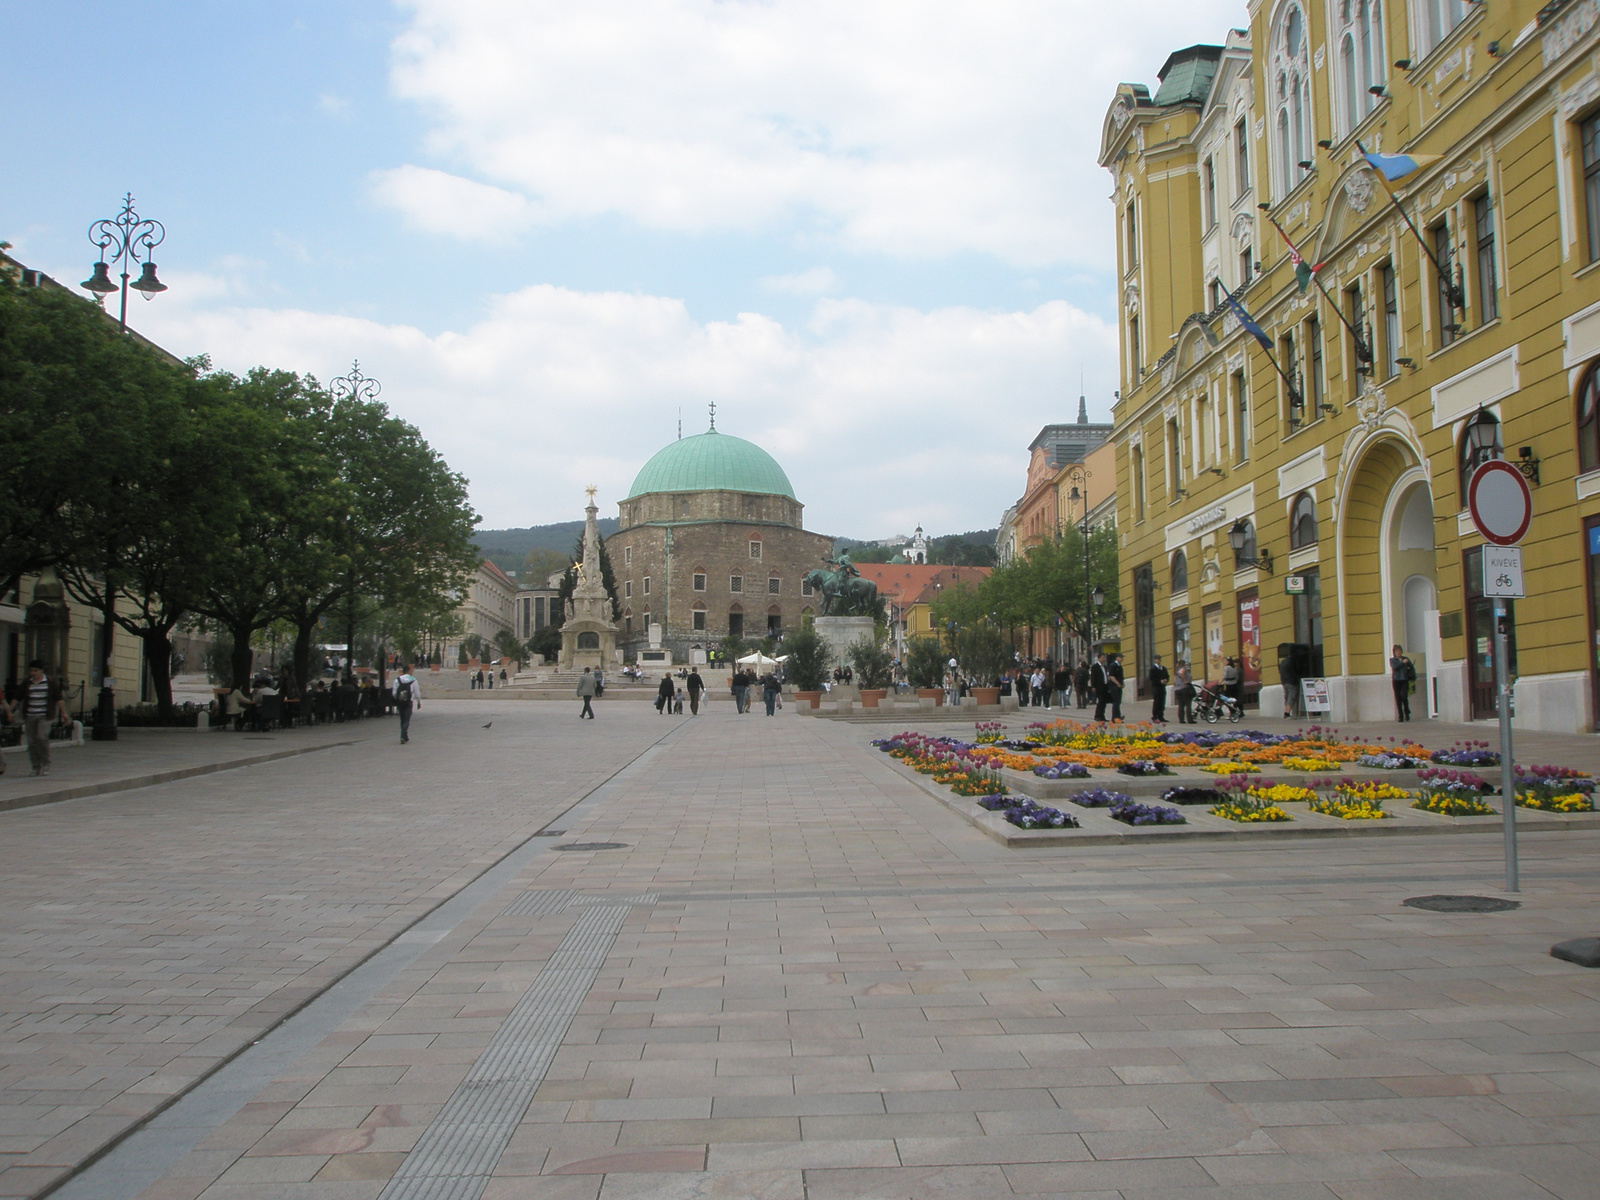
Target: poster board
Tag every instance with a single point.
(1314, 695)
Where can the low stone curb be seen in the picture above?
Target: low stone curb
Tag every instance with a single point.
(139, 781)
(1098, 828)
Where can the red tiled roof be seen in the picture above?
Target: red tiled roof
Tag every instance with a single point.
(907, 583)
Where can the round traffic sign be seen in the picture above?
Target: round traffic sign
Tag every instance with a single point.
(1500, 502)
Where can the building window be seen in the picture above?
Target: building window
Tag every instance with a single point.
(1589, 421)
(627, 624)
(1209, 174)
(1391, 321)
(774, 625)
(627, 589)
(1359, 34)
(1291, 367)
(627, 555)
(1247, 265)
(1246, 553)
(736, 583)
(755, 549)
(697, 620)
(1180, 572)
(1439, 17)
(1471, 459)
(1241, 419)
(647, 624)
(1174, 461)
(774, 586)
(1303, 522)
(1484, 268)
(1314, 374)
(699, 581)
(736, 625)
(1357, 316)
(647, 585)
(1590, 131)
(1442, 274)
(1135, 353)
(805, 586)
(1290, 72)
(1132, 236)
(1241, 156)
(1218, 295)
(1138, 483)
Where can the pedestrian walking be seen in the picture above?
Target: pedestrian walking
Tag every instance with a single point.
(1158, 679)
(769, 691)
(1100, 685)
(664, 694)
(41, 702)
(1401, 674)
(695, 685)
(1290, 680)
(1114, 685)
(1233, 680)
(741, 690)
(1080, 684)
(586, 692)
(407, 695)
(1183, 694)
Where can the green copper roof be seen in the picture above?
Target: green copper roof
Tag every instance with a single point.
(712, 462)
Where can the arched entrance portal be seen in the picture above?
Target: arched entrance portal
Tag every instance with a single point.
(1388, 575)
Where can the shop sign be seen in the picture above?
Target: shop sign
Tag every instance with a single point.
(1294, 585)
(1314, 694)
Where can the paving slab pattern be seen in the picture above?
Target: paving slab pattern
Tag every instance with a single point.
(827, 985)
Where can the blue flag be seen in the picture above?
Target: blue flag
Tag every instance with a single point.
(1249, 323)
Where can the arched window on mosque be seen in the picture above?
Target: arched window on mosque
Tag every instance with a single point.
(1358, 33)
(1589, 421)
(1303, 522)
(1180, 571)
(1290, 73)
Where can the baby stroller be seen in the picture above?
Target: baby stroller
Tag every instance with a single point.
(1212, 703)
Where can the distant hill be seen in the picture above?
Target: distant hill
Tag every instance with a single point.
(507, 548)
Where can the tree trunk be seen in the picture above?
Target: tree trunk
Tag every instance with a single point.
(243, 655)
(304, 629)
(158, 661)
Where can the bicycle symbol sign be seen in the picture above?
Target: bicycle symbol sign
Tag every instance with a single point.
(1502, 571)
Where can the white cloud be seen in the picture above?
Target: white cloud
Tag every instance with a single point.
(912, 127)
(437, 202)
(818, 281)
(882, 416)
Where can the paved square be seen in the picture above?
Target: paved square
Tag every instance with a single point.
(819, 983)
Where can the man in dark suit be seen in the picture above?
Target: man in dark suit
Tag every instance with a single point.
(1158, 679)
(1114, 685)
(1100, 685)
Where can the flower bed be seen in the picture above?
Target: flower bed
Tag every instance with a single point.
(1359, 789)
(1247, 810)
(1347, 809)
(1131, 812)
(1309, 764)
(989, 731)
(1467, 754)
(1232, 768)
(1452, 805)
(1141, 768)
(1062, 770)
(1099, 798)
(1281, 793)
(1193, 795)
(1026, 814)
(1457, 783)
(1568, 803)
(1391, 762)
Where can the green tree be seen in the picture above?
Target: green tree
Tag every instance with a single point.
(925, 662)
(807, 665)
(511, 647)
(546, 643)
(871, 663)
(539, 565)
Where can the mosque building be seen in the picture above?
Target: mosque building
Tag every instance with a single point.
(710, 544)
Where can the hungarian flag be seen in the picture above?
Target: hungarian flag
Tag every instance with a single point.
(1303, 271)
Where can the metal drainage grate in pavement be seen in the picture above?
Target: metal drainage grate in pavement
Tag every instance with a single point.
(592, 846)
(1462, 904)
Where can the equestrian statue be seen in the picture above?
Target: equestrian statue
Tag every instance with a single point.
(844, 593)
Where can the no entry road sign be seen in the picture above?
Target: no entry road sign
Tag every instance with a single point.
(1500, 502)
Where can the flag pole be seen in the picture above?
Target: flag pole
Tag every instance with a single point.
(1457, 298)
(1296, 400)
(1363, 346)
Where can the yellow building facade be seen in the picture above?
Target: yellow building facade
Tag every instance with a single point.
(1342, 473)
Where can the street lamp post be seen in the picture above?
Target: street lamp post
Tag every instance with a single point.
(125, 240)
(355, 387)
(1080, 476)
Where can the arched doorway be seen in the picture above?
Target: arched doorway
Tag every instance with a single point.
(1387, 575)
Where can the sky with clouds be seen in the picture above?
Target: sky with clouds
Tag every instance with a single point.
(874, 234)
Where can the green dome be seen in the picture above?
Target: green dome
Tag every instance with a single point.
(712, 462)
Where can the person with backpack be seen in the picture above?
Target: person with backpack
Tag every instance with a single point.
(407, 695)
(1402, 672)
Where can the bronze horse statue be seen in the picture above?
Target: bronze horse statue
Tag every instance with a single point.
(843, 594)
